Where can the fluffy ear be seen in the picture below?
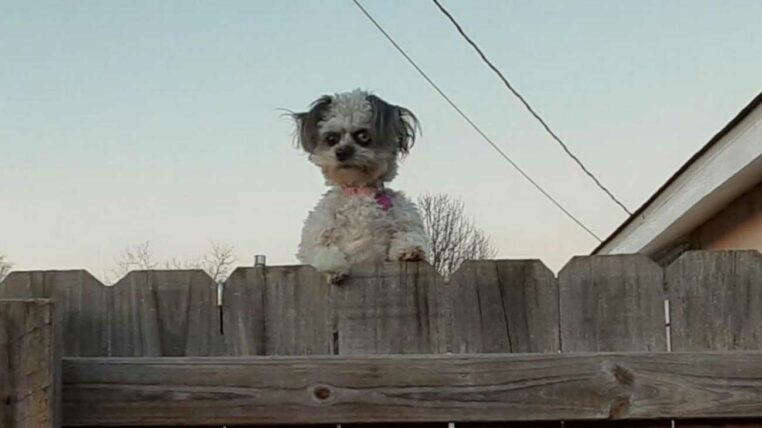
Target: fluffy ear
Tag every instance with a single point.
(393, 125)
(307, 123)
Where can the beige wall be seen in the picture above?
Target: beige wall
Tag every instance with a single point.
(737, 227)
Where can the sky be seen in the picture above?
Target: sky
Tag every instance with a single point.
(123, 122)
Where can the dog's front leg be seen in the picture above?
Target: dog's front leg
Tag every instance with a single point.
(408, 246)
(331, 262)
(319, 248)
(409, 242)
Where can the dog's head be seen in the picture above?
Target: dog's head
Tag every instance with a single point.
(356, 138)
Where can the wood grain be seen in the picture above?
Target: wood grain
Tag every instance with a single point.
(396, 308)
(716, 305)
(434, 388)
(164, 313)
(716, 301)
(505, 306)
(81, 306)
(28, 365)
(243, 312)
(298, 312)
(612, 303)
(598, 304)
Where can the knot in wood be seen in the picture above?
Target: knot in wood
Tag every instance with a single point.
(619, 407)
(321, 392)
(623, 375)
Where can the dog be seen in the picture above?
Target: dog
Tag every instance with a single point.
(357, 140)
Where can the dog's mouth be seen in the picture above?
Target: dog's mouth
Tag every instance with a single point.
(355, 167)
(352, 165)
(350, 174)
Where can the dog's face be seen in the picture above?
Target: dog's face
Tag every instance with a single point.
(356, 138)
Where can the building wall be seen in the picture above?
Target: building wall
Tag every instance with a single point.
(738, 226)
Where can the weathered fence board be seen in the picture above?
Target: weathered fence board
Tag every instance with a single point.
(393, 309)
(164, 313)
(396, 311)
(504, 306)
(298, 313)
(292, 311)
(147, 313)
(243, 318)
(716, 301)
(416, 388)
(716, 305)
(613, 303)
(81, 306)
(28, 367)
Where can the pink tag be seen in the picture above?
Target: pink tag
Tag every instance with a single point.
(384, 201)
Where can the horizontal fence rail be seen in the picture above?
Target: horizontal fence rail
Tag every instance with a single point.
(432, 388)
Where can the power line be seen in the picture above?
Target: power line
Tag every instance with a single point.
(473, 125)
(531, 110)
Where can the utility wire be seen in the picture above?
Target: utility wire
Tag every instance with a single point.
(473, 125)
(531, 110)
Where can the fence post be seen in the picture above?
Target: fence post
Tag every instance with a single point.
(29, 381)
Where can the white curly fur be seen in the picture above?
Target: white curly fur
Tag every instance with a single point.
(347, 229)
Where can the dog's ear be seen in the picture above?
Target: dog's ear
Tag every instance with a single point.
(307, 123)
(393, 125)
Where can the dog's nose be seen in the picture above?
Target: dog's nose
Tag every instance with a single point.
(344, 152)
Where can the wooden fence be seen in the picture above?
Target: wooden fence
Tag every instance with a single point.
(610, 341)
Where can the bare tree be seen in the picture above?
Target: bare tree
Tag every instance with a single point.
(138, 257)
(454, 237)
(5, 267)
(217, 262)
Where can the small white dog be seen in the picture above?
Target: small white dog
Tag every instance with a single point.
(356, 139)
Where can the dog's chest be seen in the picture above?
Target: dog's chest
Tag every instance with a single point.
(362, 215)
(362, 226)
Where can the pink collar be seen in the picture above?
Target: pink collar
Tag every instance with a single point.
(382, 198)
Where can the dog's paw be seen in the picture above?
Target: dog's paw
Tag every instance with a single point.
(331, 263)
(415, 254)
(334, 278)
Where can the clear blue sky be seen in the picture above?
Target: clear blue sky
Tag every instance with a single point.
(128, 121)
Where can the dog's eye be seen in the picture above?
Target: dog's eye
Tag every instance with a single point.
(332, 138)
(362, 137)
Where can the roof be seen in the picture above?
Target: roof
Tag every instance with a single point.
(740, 170)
